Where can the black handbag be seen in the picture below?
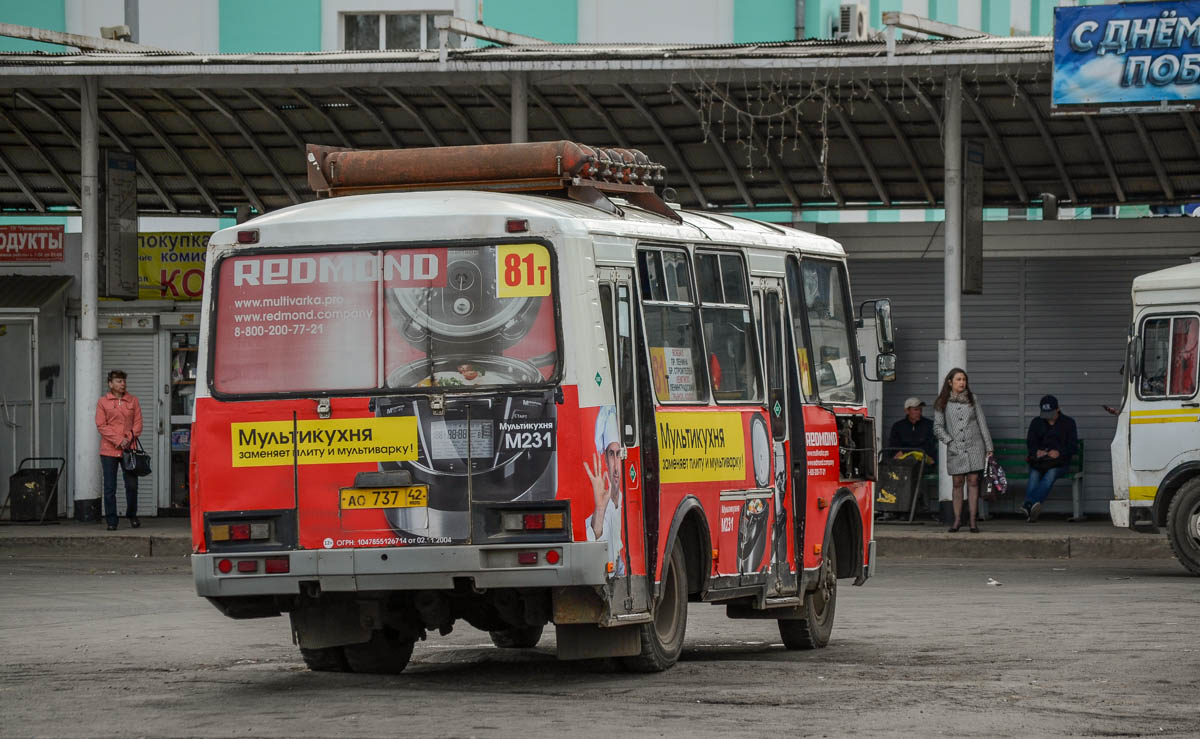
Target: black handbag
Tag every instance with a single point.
(135, 460)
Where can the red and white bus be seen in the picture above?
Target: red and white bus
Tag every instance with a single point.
(511, 385)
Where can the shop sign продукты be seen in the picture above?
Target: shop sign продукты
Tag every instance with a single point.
(31, 243)
(1126, 55)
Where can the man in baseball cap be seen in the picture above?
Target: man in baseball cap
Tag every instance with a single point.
(1051, 442)
(913, 433)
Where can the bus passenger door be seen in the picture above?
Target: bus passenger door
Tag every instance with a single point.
(616, 302)
(771, 318)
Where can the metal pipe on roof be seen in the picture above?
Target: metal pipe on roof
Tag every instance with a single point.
(87, 347)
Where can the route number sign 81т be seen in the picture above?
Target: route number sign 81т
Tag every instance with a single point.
(522, 271)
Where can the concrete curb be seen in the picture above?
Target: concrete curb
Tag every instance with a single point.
(96, 546)
(890, 542)
(980, 546)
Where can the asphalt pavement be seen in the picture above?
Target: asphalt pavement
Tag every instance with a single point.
(1000, 538)
(929, 648)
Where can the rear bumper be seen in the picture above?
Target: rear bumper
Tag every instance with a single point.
(1124, 516)
(405, 568)
(1118, 510)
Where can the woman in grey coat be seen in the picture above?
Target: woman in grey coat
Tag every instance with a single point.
(958, 422)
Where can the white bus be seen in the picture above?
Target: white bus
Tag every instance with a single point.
(1156, 450)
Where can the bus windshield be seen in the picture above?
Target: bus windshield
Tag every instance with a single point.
(343, 321)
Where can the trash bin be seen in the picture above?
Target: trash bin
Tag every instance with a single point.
(33, 491)
(895, 486)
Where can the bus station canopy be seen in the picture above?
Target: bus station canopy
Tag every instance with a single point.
(779, 126)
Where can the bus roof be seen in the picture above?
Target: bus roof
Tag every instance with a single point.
(443, 214)
(1182, 277)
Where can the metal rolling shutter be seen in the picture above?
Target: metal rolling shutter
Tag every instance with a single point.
(137, 355)
(1042, 326)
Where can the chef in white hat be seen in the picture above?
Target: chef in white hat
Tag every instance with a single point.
(605, 475)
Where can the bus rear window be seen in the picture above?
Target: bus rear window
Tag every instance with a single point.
(367, 321)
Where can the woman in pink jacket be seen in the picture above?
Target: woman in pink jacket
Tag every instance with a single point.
(119, 420)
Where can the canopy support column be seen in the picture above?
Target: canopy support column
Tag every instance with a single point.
(952, 350)
(520, 108)
(87, 347)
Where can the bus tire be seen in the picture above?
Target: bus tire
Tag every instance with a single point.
(517, 637)
(325, 659)
(385, 653)
(1183, 525)
(813, 630)
(662, 638)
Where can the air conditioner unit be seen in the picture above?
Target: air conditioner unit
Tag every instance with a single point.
(852, 23)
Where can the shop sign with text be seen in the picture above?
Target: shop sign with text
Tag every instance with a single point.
(31, 243)
(171, 265)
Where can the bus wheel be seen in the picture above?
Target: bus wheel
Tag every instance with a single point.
(662, 638)
(325, 659)
(386, 653)
(1183, 525)
(517, 637)
(813, 630)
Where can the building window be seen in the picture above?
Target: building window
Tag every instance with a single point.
(374, 31)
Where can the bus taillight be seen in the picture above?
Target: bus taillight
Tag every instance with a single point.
(533, 521)
(240, 531)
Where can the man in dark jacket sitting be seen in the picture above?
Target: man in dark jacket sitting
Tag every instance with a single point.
(1052, 440)
(913, 433)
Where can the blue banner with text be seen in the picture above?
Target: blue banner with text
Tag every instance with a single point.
(1133, 54)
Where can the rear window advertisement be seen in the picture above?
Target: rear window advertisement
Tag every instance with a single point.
(321, 321)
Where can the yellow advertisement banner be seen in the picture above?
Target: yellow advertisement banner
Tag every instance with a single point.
(171, 265)
(700, 447)
(523, 271)
(333, 441)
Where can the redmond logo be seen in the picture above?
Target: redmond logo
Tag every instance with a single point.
(396, 269)
(820, 438)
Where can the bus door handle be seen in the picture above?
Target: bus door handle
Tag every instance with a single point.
(1191, 405)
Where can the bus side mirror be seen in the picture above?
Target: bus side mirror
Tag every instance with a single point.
(884, 334)
(885, 337)
(1133, 357)
(885, 367)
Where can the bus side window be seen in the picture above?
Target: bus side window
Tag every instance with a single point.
(730, 336)
(671, 323)
(1169, 357)
(799, 335)
(776, 389)
(606, 308)
(627, 402)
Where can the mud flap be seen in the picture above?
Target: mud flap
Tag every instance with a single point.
(588, 641)
(332, 625)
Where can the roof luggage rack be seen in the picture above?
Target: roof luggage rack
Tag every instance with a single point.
(579, 172)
